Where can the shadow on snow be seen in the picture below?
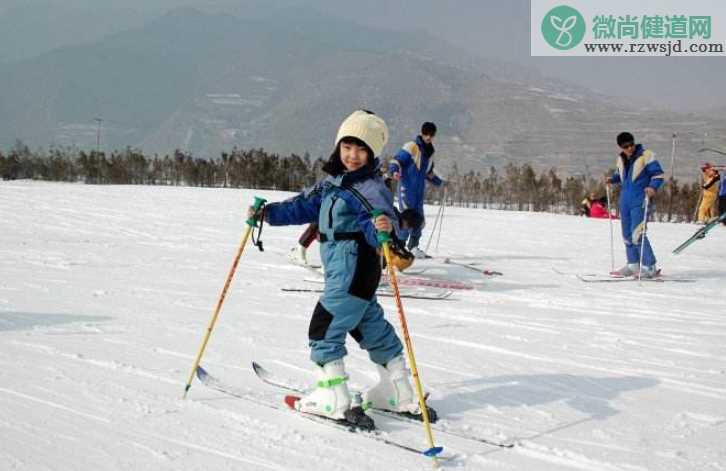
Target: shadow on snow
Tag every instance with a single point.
(10, 321)
(587, 394)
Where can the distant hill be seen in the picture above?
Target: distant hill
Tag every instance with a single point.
(206, 83)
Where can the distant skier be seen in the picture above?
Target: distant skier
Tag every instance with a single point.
(341, 204)
(709, 200)
(640, 175)
(298, 254)
(594, 207)
(413, 166)
(586, 204)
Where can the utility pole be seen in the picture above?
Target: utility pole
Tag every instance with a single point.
(98, 134)
(673, 177)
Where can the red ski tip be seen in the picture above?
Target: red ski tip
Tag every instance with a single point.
(291, 400)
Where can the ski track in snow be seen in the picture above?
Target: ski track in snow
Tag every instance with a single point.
(105, 293)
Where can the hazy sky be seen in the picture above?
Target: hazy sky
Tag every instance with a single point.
(489, 28)
(500, 28)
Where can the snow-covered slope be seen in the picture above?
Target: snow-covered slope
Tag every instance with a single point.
(105, 293)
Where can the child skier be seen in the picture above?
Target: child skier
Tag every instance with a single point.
(341, 205)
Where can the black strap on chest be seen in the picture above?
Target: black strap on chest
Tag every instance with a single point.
(357, 235)
(359, 196)
(338, 236)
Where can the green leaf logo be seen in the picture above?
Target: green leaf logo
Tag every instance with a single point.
(563, 27)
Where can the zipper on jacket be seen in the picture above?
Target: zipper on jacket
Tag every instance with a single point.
(330, 212)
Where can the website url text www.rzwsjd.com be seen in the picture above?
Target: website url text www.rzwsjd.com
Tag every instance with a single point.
(666, 49)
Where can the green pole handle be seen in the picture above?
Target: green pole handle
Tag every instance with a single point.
(383, 236)
(259, 202)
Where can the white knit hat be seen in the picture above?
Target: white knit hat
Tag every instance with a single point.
(366, 126)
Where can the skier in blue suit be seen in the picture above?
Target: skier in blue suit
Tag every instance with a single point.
(341, 205)
(640, 175)
(413, 166)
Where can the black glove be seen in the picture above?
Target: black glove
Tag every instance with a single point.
(401, 258)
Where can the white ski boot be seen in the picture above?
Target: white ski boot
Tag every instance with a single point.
(298, 255)
(649, 272)
(330, 397)
(394, 392)
(631, 269)
(419, 254)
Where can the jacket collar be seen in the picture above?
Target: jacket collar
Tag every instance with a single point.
(349, 178)
(638, 152)
(426, 149)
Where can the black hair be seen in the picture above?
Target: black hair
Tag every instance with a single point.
(428, 129)
(625, 138)
(334, 166)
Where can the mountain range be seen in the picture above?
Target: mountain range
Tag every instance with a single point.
(206, 83)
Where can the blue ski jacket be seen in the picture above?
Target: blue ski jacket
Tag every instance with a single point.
(642, 170)
(341, 205)
(415, 164)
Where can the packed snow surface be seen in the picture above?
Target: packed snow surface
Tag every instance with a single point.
(106, 292)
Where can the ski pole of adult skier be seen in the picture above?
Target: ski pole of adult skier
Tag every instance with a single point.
(436, 224)
(441, 223)
(385, 239)
(610, 218)
(643, 235)
(251, 224)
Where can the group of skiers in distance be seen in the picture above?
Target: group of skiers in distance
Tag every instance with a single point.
(712, 203)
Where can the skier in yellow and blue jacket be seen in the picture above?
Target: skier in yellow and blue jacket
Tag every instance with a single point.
(640, 175)
(413, 167)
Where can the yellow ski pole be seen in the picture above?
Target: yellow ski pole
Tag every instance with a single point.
(385, 239)
(251, 223)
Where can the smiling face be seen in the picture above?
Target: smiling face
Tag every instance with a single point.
(353, 156)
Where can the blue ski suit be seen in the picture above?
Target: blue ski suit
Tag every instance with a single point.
(415, 163)
(635, 174)
(342, 205)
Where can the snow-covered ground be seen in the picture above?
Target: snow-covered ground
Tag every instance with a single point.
(105, 293)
